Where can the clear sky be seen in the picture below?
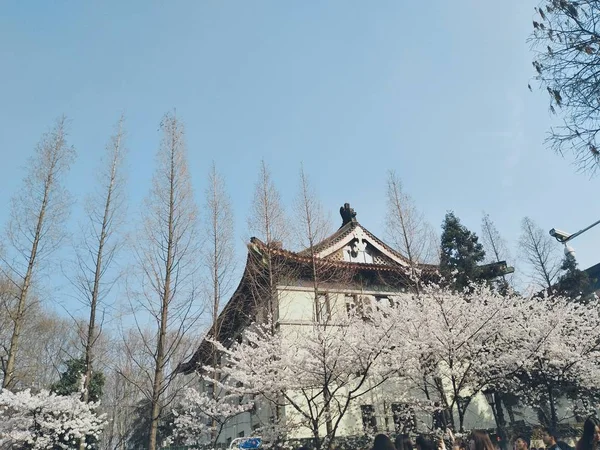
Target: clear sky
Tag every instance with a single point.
(435, 90)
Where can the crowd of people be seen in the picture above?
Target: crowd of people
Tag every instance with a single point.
(480, 440)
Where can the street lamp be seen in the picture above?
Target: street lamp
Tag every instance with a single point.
(563, 237)
(490, 397)
(493, 399)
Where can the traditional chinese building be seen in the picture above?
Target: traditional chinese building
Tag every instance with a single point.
(356, 269)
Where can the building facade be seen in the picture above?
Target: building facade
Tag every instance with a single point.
(356, 270)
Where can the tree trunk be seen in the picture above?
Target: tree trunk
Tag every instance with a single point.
(157, 386)
(8, 381)
(500, 420)
(553, 416)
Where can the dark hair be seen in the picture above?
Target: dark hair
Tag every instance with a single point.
(382, 442)
(589, 430)
(423, 443)
(482, 440)
(551, 432)
(524, 439)
(460, 443)
(403, 442)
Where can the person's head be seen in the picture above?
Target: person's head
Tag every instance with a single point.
(459, 444)
(403, 442)
(423, 443)
(549, 436)
(382, 442)
(480, 441)
(591, 431)
(522, 443)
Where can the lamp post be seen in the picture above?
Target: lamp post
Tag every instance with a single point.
(563, 237)
(493, 398)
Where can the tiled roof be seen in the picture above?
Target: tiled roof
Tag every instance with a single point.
(304, 257)
(336, 237)
(342, 233)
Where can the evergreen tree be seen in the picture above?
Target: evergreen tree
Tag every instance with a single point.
(71, 380)
(460, 252)
(574, 283)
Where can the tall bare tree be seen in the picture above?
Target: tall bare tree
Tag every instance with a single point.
(219, 254)
(494, 245)
(35, 228)
(100, 243)
(267, 221)
(407, 228)
(267, 216)
(312, 226)
(167, 255)
(541, 252)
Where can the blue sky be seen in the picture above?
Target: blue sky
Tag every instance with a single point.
(435, 90)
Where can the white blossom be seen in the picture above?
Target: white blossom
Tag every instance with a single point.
(46, 420)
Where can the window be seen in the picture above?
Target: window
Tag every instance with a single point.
(350, 301)
(323, 308)
(368, 418)
(404, 416)
(241, 434)
(383, 301)
(365, 306)
(359, 304)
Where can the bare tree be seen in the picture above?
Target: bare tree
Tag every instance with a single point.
(566, 39)
(312, 225)
(267, 221)
(35, 227)
(46, 339)
(311, 228)
(104, 212)
(494, 245)
(541, 252)
(218, 257)
(407, 228)
(267, 215)
(219, 252)
(167, 256)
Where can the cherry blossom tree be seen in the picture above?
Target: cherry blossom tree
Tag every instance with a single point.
(201, 416)
(558, 350)
(317, 372)
(46, 420)
(461, 338)
(441, 346)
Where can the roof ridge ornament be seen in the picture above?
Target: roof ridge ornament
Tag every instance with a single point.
(348, 214)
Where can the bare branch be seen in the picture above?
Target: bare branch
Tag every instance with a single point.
(35, 229)
(167, 255)
(541, 252)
